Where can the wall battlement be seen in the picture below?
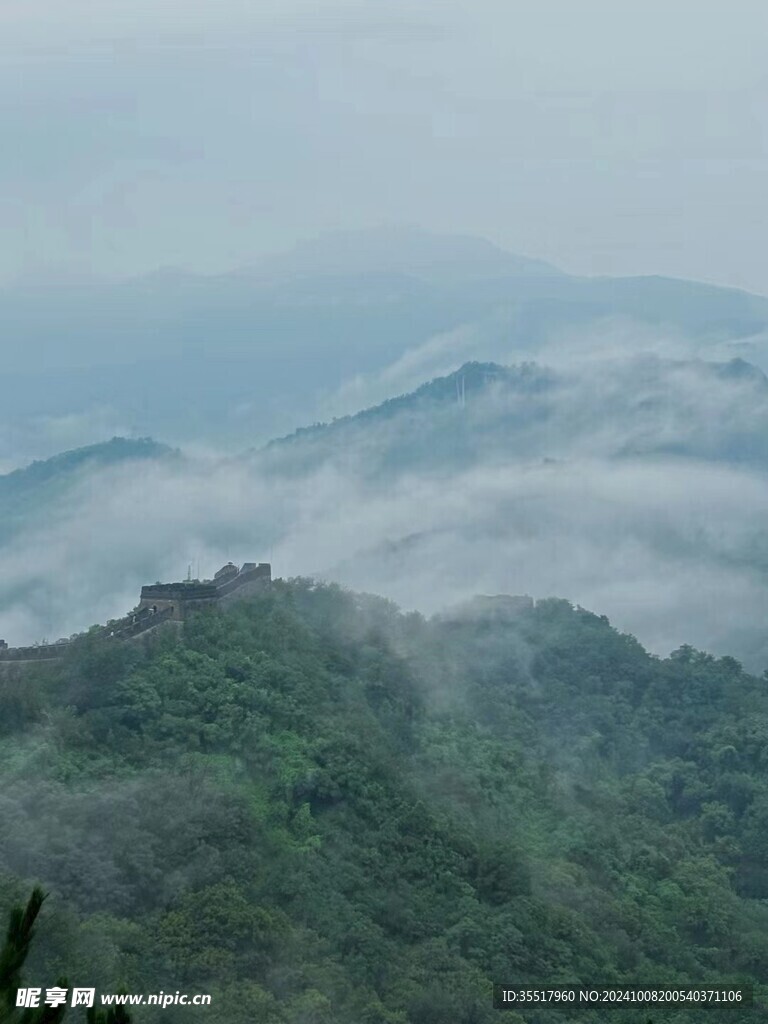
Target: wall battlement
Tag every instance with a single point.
(191, 595)
(160, 602)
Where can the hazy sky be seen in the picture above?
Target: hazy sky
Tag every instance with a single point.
(605, 136)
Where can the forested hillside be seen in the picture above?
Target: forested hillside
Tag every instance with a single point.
(324, 811)
(30, 495)
(641, 408)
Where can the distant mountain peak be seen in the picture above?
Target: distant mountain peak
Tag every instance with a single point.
(740, 369)
(407, 250)
(117, 449)
(470, 379)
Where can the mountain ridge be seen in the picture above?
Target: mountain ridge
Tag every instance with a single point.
(116, 449)
(261, 349)
(648, 383)
(318, 808)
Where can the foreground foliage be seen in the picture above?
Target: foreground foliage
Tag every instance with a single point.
(322, 811)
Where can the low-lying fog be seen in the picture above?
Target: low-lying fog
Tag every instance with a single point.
(635, 487)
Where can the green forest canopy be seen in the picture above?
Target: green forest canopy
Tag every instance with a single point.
(324, 811)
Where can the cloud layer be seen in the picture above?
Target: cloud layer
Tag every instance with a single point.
(591, 507)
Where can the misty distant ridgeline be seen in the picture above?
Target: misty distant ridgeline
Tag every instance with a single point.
(318, 808)
(325, 810)
(632, 485)
(623, 408)
(454, 316)
(336, 324)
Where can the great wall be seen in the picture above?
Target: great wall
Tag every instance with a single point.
(158, 603)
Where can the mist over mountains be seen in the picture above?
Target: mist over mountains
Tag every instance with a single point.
(383, 489)
(632, 486)
(328, 328)
(627, 407)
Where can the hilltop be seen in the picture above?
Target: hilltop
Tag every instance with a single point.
(635, 485)
(621, 408)
(27, 494)
(106, 453)
(318, 808)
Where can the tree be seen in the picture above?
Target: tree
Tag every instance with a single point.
(21, 931)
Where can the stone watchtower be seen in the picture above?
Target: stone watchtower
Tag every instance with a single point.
(158, 603)
(228, 584)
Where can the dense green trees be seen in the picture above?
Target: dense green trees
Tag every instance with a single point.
(321, 810)
(13, 956)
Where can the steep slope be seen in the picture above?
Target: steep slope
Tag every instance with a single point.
(27, 494)
(319, 809)
(634, 485)
(619, 408)
(44, 471)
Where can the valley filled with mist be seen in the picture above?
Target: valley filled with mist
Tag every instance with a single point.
(601, 440)
(383, 492)
(380, 787)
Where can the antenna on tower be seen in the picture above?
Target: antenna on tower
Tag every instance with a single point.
(460, 391)
(189, 573)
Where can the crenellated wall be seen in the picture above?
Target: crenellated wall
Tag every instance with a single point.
(161, 602)
(191, 595)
